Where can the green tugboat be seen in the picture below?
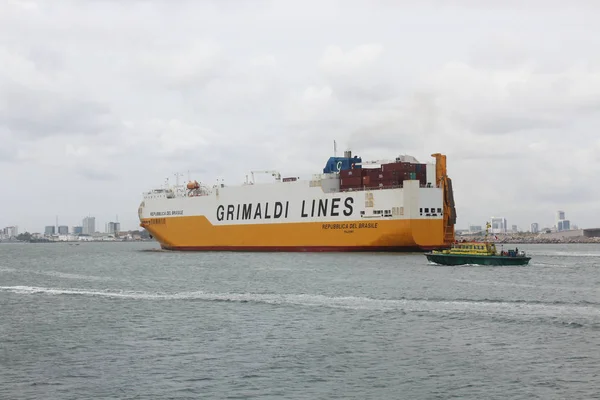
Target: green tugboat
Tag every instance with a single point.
(482, 253)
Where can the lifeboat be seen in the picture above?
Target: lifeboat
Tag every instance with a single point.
(193, 185)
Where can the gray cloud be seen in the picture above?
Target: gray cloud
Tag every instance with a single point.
(97, 174)
(33, 113)
(509, 91)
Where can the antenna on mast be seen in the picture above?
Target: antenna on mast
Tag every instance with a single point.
(177, 175)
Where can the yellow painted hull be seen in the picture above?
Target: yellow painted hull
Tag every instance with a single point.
(198, 233)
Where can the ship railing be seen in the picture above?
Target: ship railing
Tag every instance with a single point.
(357, 188)
(193, 194)
(362, 188)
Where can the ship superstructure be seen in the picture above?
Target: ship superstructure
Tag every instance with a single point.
(390, 205)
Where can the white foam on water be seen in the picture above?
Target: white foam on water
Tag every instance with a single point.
(486, 307)
(568, 254)
(58, 274)
(525, 285)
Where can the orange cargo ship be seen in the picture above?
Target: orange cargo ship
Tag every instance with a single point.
(397, 205)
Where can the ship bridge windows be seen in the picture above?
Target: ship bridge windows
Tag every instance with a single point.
(430, 211)
(397, 210)
(385, 213)
(378, 213)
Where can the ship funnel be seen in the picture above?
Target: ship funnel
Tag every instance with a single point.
(348, 154)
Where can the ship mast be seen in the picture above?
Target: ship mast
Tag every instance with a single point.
(177, 175)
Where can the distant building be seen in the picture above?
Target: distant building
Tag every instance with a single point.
(498, 225)
(9, 232)
(535, 228)
(560, 218)
(566, 225)
(562, 224)
(89, 225)
(77, 230)
(515, 229)
(63, 230)
(113, 228)
(50, 230)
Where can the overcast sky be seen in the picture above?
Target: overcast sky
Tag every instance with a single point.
(102, 100)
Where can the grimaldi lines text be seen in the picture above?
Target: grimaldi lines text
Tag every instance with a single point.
(396, 205)
(278, 209)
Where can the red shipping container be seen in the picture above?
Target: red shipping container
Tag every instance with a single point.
(406, 168)
(382, 175)
(391, 167)
(389, 175)
(351, 181)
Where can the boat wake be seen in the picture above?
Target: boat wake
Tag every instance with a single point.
(58, 274)
(580, 313)
(524, 285)
(566, 254)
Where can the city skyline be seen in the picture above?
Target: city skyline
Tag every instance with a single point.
(87, 226)
(500, 224)
(93, 122)
(109, 225)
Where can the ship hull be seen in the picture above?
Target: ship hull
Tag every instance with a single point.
(299, 249)
(464, 259)
(333, 212)
(199, 234)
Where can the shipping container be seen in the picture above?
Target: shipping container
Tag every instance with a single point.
(392, 167)
(420, 168)
(388, 175)
(352, 181)
(383, 175)
(345, 173)
(371, 171)
(401, 167)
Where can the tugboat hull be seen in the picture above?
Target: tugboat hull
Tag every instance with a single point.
(463, 259)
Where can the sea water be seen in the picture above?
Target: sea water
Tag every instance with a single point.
(125, 321)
